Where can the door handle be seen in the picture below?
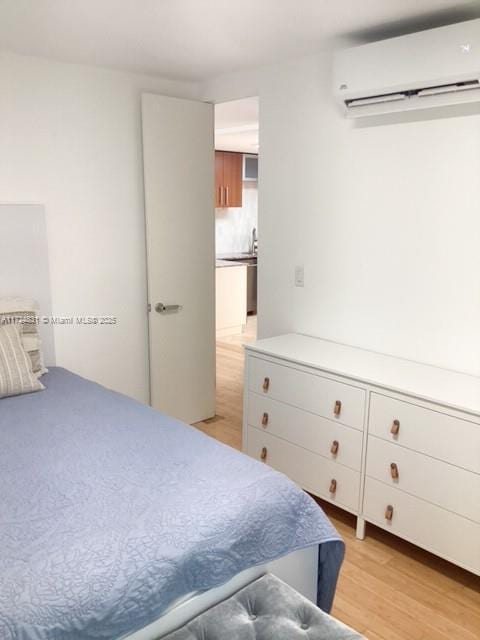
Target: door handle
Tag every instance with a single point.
(165, 308)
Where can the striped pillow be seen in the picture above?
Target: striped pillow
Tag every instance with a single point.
(23, 312)
(16, 375)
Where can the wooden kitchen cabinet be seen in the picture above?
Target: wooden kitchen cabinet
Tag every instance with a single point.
(228, 179)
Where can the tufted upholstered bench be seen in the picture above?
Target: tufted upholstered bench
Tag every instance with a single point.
(266, 609)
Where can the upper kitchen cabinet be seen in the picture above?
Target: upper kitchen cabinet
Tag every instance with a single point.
(228, 179)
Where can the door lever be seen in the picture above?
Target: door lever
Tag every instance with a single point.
(165, 308)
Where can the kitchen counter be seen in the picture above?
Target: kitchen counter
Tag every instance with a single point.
(236, 256)
(228, 263)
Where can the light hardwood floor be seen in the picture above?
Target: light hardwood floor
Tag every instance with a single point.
(388, 588)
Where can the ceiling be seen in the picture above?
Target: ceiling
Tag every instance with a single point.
(196, 39)
(236, 125)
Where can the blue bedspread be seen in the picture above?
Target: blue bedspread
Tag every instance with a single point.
(110, 511)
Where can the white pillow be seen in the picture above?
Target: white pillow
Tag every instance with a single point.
(23, 312)
(16, 375)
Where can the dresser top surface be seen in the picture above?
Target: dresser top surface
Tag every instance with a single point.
(441, 386)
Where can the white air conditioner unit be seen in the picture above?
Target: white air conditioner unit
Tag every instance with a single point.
(422, 70)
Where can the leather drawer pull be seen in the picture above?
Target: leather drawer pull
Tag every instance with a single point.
(394, 470)
(333, 486)
(389, 513)
(265, 419)
(263, 455)
(395, 427)
(266, 384)
(334, 448)
(338, 407)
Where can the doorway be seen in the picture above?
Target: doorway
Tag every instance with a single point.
(236, 256)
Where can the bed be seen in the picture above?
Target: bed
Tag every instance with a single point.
(116, 520)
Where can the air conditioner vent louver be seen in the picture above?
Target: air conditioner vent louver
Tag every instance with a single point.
(449, 88)
(389, 97)
(421, 93)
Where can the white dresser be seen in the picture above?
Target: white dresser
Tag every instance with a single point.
(395, 442)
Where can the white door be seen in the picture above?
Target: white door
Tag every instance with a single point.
(178, 155)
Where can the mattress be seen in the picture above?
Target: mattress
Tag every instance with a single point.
(112, 511)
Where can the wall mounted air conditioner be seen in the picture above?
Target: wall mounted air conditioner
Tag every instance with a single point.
(422, 70)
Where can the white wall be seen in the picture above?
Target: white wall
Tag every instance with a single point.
(384, 216)
(233, 226)
(70, 138)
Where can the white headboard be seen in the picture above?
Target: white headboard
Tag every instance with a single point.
(24, 267)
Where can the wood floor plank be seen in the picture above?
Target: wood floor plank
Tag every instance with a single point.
(424, 595)
(379, 612)
(447, 616)
(388, 589)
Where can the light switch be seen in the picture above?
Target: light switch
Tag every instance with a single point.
(299, 276)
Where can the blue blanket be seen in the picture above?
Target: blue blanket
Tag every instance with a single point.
(110, 511)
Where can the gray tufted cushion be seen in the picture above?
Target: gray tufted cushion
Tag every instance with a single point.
(266, 609)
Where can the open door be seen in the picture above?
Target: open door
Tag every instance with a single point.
(178, 152)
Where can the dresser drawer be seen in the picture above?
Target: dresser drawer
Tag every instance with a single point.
(438, 435)
(309, 470)
(442, 532)
(328, 438)
(308, 391)
(438, 482)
